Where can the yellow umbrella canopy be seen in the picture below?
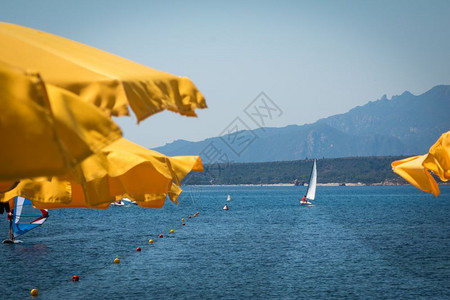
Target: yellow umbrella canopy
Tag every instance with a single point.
(416, 169)
(438, 158)
(110, 82)
(122, 169)
(45, 130)
(412, 170)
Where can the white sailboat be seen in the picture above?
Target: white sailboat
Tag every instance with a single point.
(124, 202)
(311, 192)
(228, 197)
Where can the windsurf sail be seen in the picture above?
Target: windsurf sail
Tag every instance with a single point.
(26, 217)
(311, 193)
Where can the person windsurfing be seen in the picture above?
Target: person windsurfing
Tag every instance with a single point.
(23, 218)
(10, 219)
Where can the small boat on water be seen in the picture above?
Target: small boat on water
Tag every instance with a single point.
(118, 203)
(124, 202)
(311, 191)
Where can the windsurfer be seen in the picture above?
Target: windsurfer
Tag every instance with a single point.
(10, 219)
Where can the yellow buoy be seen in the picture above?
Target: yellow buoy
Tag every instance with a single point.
(117, 260)
(182, 219)
(150, 241)
(34, 292)
(171, 231)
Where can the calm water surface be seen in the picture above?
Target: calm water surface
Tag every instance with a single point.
(356, 242)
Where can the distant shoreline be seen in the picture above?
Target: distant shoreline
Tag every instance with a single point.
(318, 184)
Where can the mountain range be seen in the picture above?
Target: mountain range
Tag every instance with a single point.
(403, 125)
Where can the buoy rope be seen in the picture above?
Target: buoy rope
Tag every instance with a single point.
(93, 271)
(194, 194)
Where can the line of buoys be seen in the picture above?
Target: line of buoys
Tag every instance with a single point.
(75, 278)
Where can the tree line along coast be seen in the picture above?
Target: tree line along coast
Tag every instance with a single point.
(374, 170)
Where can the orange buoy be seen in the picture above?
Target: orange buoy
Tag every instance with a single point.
(34, 293)
(182, 219)
(138, 249)
(117, 260)
(150, 241)
(75, 278)
(172, 231)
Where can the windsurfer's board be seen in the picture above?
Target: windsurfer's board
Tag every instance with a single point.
(11, 241)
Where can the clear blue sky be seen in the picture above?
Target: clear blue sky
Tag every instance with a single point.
(312, 58)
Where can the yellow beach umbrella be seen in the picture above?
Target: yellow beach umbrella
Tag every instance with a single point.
(416, 169)
(45, 130)
(412, 170)
(158, 200)
(108, 81)
(123, 169)
(438, 158)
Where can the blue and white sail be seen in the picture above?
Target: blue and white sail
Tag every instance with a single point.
(26, 217)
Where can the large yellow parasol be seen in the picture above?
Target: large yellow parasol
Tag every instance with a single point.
(416, 169)
(122, 169)
(112, 84)
(108, 81)
(45, 130)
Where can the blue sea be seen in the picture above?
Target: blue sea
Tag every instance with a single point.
(369, 242)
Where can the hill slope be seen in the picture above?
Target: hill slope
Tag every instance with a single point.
(403, 125)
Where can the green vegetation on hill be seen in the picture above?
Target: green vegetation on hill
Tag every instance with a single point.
(366, 170)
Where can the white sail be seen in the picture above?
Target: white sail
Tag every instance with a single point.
(311, 193)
